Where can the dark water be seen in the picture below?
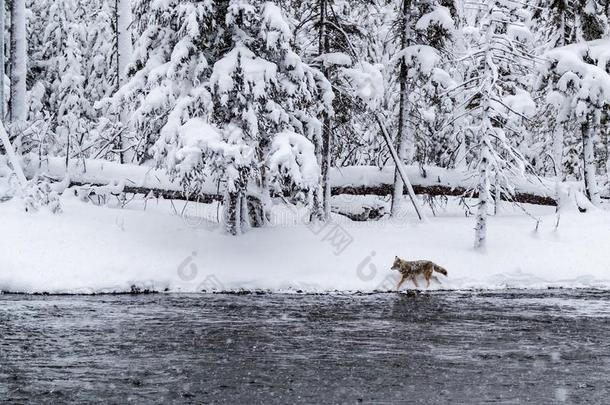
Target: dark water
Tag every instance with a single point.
(507, 347)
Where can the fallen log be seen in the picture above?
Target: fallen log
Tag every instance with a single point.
(439, 190)
(380, 190)
(155, 193)
(356, 180)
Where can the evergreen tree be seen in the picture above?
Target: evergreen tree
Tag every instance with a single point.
(423, 30)
(564, 22)
(578, 83)
(497, 59)
(262, 94)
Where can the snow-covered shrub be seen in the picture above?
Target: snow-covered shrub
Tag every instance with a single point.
(39, 193)
(292, 163)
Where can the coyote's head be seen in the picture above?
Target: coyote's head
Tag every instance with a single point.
(396, 265)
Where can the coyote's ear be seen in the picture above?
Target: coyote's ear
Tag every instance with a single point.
(396, 257)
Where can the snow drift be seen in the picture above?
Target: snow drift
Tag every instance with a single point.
(90, 249)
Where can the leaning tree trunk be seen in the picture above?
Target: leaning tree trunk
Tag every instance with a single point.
(18, 111)
(404, 142)
(12, 157)
(589, 163)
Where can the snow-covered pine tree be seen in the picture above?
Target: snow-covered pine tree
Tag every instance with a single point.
(436, 27)
(330, 33)
(109, 134)
(99, 62)
(219, 94)
(591, 20)
(564, 22)
(497, 57)
(375, 50)
(36, 192)
(65, 36)
(424, 30)
(68, 75)
(556, 24)
(72, 67)
(37, 137)
(266, 98)
(556, 132)
(579, 80)
(166, 85)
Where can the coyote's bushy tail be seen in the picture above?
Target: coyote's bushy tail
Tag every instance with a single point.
(440, 269)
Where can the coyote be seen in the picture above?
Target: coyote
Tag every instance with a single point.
(410, 270)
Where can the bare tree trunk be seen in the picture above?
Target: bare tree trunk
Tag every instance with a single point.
(2, 72)
(484, 196)
(404, 142)
(258, 208)
(257, 212)
(497, 194)
(558, 140)
(607, 133)
(562, 29)
(232, 212)
(235, 218)
(485, 167)
(124, 49)
(325, 169)
(323, 199)
(244, 218)
(589, 163)
(558, 135)
(18, 108)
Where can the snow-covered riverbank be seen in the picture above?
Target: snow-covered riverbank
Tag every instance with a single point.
(89, 249)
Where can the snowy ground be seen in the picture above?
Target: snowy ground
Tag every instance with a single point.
(89, 249)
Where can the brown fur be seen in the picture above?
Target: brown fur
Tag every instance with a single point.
(410, 270)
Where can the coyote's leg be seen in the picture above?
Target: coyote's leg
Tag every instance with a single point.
(414, 281)
(436, 279)
(402, 280)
